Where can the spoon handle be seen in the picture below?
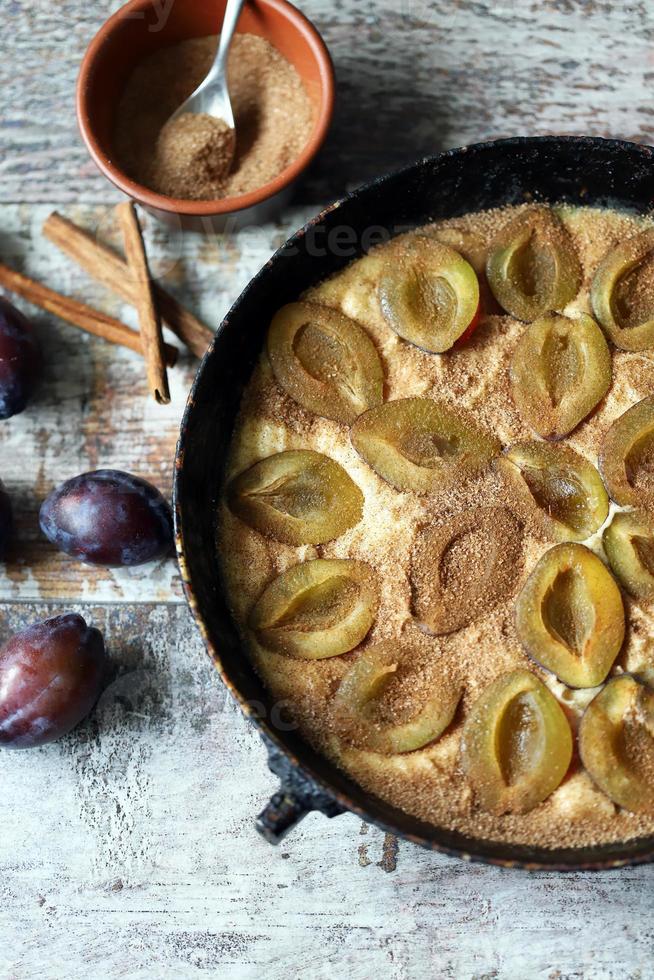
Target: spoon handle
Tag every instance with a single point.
(230, 20)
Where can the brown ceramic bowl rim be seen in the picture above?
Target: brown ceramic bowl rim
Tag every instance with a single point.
(225, 205)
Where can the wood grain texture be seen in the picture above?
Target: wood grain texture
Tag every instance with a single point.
(423, 75)
(92, 410)
(127, 849)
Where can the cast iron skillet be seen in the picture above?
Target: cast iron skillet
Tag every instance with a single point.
(576, 169)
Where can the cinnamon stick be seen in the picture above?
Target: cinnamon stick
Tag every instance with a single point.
(148, 314)
(105, 265)
(78, 314)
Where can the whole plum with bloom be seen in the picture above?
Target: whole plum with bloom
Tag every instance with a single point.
(51, 675)
(20, 360)
(108, 517)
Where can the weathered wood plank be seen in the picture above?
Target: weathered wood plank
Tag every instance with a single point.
(93, 410)
(128, 848)
(423, 75)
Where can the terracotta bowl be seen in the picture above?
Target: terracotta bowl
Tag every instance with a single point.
(141, 27)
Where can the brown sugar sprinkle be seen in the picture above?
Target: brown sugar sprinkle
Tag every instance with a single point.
(639, 746)
(464, 566)
(430, 783)
(273, 116)
(637, 741)
(634, 294)
(192, 157)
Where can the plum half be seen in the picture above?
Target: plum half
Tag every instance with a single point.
(626, 457)
(629, 546)
(422, 445)
(516, 745)
(297, 497)
(570, 616)
(325, 361)
(428, 293)
(532, 265)
(621, 294)
(462, 568)
(616, 743)
(468, 244)
(362, 710)
(318, 609)
(559, 372)
(557, 487)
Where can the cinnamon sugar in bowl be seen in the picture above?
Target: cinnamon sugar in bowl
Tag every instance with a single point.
(291, 60)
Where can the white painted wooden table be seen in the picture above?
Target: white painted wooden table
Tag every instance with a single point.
(127, 849)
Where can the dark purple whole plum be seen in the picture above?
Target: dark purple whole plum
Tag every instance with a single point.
(51, 675)
(108, 518)
(6, 520)
(20, 360)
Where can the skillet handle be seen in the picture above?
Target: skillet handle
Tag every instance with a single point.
(281, 813)
(296, 796)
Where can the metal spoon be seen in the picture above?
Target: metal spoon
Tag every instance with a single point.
(212, 95)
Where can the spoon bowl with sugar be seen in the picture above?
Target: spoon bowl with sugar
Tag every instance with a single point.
(209, 106)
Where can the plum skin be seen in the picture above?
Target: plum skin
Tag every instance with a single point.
(109, 518)
(20, 360)
(51, 675)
